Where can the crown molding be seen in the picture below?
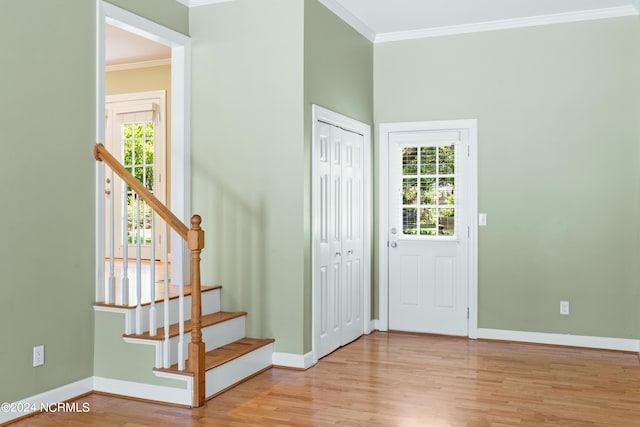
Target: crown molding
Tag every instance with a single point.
(195, 3)
(136, 65)
(349, 18)
(556, 18)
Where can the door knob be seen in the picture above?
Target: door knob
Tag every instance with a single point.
(394, 244)
(338, 253)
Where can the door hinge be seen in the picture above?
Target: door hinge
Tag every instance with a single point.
(468, 151)
(468, 231)
(467, 313)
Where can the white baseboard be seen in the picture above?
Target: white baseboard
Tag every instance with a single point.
(377, 325)
(604, 343)
(144, 391)
(57, 395)
(371, 326)
(296, 361)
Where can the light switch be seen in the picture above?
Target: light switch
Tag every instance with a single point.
(482, 219)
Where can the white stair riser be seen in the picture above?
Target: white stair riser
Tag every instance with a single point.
(214, 336)
(210, 304)
(237, 370)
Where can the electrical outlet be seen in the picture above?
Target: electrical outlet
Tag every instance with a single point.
(564, 308)
(38, 355)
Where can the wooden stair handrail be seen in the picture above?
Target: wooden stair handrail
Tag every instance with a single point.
(101, 154)
(195, 242)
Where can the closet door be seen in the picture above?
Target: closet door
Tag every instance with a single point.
(351, 321)
(338, 238)
(327, 240)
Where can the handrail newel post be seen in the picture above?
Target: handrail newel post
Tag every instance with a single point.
(195, 362)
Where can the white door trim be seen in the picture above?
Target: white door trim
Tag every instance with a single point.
(386, 129)
(180, 126)
(336, 119)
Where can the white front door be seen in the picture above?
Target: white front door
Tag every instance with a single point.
(338, 237)
(136, 136)
(428, 231)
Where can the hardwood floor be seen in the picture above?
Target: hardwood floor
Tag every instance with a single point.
(392, 379)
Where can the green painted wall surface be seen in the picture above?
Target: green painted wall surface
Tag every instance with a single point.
(248, 160)
(169, 13)
(47, 128)
(558, 110)
(338, 75)
(119, 360)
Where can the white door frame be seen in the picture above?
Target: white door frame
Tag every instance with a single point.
(386, 129)
(180, 128)
(346, 123)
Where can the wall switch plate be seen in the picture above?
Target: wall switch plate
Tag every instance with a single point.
(38, 355)
(482, 219)
(564, 308)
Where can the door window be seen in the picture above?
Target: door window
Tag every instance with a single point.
(428, 207)
(138, 144)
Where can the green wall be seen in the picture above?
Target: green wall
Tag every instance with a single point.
(116, 359)
(338, 75)
(248, 160)
(47, 131)
(257, 69)
(557, 109)
(169, 13)
(47, 128)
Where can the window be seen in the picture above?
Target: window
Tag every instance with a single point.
(428, 190)
(138, 143)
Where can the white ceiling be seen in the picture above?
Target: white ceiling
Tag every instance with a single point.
(123, 47)
(383, 20)
(388, 20)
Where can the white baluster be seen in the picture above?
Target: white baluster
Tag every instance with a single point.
(138, 269)
(167, 354)
(111, 298)
(152, 289)
(181, 357)
(125, 248)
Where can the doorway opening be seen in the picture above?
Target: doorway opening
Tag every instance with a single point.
(161, 47)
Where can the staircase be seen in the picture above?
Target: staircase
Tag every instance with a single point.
(203, 351)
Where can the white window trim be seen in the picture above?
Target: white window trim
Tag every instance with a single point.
(386, 129)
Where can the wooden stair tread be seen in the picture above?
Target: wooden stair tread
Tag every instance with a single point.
(229, 352)
(174, 291)
(225, 354)
(174, 330)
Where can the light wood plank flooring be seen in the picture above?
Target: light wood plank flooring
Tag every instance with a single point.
(392, 379)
